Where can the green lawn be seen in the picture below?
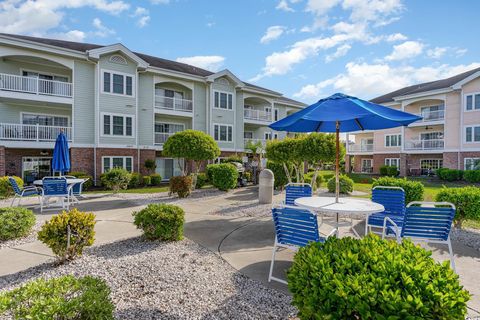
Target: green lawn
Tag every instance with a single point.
(136, 190)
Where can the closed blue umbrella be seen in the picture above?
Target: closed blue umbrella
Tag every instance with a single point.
(342, 113)
(61, 157)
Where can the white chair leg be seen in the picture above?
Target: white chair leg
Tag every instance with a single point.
(452, 262)
(13, 200)
(366, 224)
(272, 262)
(19, 200)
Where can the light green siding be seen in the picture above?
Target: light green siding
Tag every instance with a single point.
(145, 109)
(15, 67)
(11, 113)
(200, 107)
(187, 123)
(84, 103)
(239, 127)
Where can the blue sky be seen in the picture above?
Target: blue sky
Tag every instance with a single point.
(306, 49)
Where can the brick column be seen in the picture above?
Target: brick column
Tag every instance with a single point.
(403, 165)
(2, 161)
(348, 163)
(144, 155)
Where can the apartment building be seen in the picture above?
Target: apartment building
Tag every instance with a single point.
(117, 107)
(447, 136)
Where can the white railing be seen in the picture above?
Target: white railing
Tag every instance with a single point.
(260, 115)
(175, 104)
(11, 82)
(432, 115)
(32, 132)
(360, 148)
(161, 137)
(433, 144)
(247, 141)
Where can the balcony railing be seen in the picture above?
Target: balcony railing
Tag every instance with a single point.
(11, 82)
(259, 115)
(360, 148)
(433, 144)
(262, 141)
(436, 115)
(32, 132)
(174, 104)
(161, 137)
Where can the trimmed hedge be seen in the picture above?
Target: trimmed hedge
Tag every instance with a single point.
(181, 186)
(279, 174)
(449, 174)
(373, 279)
(390, 171)
(147, 180)
(413, 189)
(346, 184)
(472, 176)
(15, 222)
(307, 178)
(136, 180)
(466, 201)
(161, 221)
(224, 176)
(116, 179)
(155, 179)
(6, 189)
(202, 180)
(64, 298)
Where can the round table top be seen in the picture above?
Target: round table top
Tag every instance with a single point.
(344, 205)
(69, 181)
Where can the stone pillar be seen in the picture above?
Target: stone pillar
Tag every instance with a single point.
(403, 165)
(348, 159)
(2, 161)
(265, 188)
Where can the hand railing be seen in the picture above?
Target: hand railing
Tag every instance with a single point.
(11, 82)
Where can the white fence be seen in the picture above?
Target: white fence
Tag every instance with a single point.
(32, 132)
(433, 144)
(10, 82)
(173, 104)
(260, 115)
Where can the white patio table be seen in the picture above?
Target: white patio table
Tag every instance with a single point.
(69, 181)
(343, 206)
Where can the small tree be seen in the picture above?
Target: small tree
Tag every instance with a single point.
(193, 145)
(318, 149)
(150, 165)
(285, 152)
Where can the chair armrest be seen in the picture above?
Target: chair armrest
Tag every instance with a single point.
(395, 226)
(334, 231)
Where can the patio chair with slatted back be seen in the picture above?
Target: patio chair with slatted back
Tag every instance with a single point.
(294, 228)
(428, 222)
(23, 192)
(393, 200)
(55, 187)
(294, 191)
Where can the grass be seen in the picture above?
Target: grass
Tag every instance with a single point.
(135, 190)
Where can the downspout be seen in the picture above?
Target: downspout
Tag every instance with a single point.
(136, 117)
(96, 122)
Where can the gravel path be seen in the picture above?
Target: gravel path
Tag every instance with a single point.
(146, 198)
(467, 236)
(156, 280)
(30, 238)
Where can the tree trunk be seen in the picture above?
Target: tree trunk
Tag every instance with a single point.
(287, 173)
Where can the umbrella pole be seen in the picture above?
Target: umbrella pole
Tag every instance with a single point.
(337, 161)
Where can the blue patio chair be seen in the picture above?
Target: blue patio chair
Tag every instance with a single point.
(55, 187)
(294, 191)
(393, 200)
(429, 222)
(23, 192)
(76, 190)
(294, 228)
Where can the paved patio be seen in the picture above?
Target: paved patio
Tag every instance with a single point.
(244, 242)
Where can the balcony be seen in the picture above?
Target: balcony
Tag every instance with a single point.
(32, 85)
(254, 141)
(32, 132)
(428, 116)
(173, 104)
(161, 137)
(257, 115)
(432, 144)
(360, 148)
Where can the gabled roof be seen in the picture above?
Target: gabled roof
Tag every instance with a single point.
(425, 87)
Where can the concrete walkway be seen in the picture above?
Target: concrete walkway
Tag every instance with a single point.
(244, 242)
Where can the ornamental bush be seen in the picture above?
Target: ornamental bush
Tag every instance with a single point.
(202, 180)
(466, 201)
(449, 174)
(307, 178)
(135, 180)
(155, 179)
(116, 179)
(224, 176)
(181, 186)
(147, 180)
(346, 184)
(82, 175)
(472, 176)
(6, 189)
(161, 221)
(278, 173)
(413, 189)
(391, 171)
(65, 297)
(54, 233)
(15, 222)
(373, 279)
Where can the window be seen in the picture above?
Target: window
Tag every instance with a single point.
(429, 165)
(117, 125)
(168, 167)
(431, 135)
(44, 76)
(268, 135)
(248, 135)
(472, 102)
(393, 162)
(472, 134)
(472, 163)
(223, 132)
(117, 83)
(34, 168)
(393, 140)
(275, 136)
(223, 100)
(275, 114)
(117, 162)
(367, 166)
(45, 120)
(432, 113)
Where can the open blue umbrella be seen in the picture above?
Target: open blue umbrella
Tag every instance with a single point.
(342, 113)
(61, 157)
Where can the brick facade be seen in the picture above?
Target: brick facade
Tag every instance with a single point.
(2, 161)
(379, 160)
(357, 162)
(450, 160)
(464, 155)
(82, 160)
(144, 155)
(13, 158)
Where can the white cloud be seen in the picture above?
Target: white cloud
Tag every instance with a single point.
(143, 16)
(396, 37)
(321, 7)
(379, 11)
(72, 35)
(160, 1)
(406, 50)
(272, 33)
(370, 80)
(460, 52)
(212, 63)
(283, 5)
(437, 52)
(101, 30)
(340, 52)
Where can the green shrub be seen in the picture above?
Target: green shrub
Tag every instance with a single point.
(373, 279)
(307, 178)
(54, 233)
(202, 180)
(15, 222)
(135, 180)
(281, 179)
(328, 176)
(156, 179)
(209, 171)
(234, 158)
(248, 176)
(150, 165)
(390, 171)
(472, 176)
(413, 189)
(161, 221)
(6, 189)
(224, 176)
(65, 297)
(449, 174)
(147, 180)
(346, 184)
(466, 201)
(181, 186)
(82, 175)
(360, 177)
(116, 179)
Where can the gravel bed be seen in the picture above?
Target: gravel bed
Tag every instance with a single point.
(467, 236)
(157, 280)
(32, 237)
(146, 198)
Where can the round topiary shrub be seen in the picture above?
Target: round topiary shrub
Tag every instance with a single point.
(54, 233)
(155, 179)
(346, 184)
(147, 180)
(64, 297)
(15, 222)
(6, 189)
(181, 186)
(224, 176)
(161, 221)
(136, 180)
(202, 180)
(413, 189)
(373, 279)
(115, 179)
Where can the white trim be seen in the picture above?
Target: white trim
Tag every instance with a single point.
(424, 94)
(219, 99)
(226, 125)
(228, 74)
(471, 77)
(430, 159)
(123, 162)
(473, 126)
(96, 53)
(465, 95)
(125, 75)
(389, 135)
(124, 116)
(390, 162)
